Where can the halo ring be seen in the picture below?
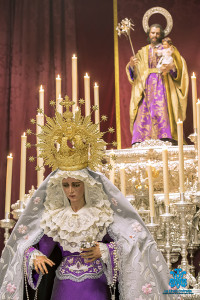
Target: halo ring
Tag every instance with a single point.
(158, 10)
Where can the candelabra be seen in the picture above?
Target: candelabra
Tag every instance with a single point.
(183, 207)
(167, 216)
(7, 224)
(153, 227)
(193, 139)
(19, 206)
(17, 210)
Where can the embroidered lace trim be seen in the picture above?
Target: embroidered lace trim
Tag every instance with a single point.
(75, 268)
(65, 226)
(79, 279)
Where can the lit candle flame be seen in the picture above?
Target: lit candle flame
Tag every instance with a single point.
(58, 77)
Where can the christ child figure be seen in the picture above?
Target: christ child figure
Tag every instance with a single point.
(166, 61)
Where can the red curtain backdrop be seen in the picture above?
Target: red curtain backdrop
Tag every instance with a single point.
(184, 35)
(37, 41)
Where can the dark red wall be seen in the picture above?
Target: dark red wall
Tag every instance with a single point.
(37, 41)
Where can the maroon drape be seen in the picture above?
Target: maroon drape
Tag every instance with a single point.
(37, 41)
(184, 35)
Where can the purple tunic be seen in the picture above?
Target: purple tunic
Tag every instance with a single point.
(157, 102)
(75, 279)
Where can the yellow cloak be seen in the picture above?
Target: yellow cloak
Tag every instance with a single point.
(176, 88)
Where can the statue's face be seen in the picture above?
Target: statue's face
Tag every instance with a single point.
(165, 45)
(74, 190)
(154, 35)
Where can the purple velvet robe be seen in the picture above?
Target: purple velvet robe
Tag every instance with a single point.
(157, 102)
(86, 281)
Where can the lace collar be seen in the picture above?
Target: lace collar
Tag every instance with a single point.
(70, 229)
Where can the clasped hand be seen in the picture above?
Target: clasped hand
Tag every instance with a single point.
(91, 254)
(133, 61)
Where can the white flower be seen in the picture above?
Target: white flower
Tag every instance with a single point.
(22, 229)
(136, 227)
(37, 200)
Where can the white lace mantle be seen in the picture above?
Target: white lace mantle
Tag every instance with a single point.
(71, 228)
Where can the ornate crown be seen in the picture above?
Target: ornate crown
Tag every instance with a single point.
(70, 141)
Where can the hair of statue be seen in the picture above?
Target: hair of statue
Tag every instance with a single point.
(162, 33)
(168, 40)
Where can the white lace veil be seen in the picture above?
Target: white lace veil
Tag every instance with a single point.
(143, 273)
(88, 224)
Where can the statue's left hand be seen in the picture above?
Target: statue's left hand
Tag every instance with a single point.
(166, 68)
(91, 254)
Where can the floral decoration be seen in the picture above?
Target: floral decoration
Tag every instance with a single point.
(22, 229)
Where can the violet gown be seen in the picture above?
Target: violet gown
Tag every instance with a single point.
(157, 103)
(75, 279)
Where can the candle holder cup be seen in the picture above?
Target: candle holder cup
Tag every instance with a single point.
(7, 224)
(153, 228)
(193, 139)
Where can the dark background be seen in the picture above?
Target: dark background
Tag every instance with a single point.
(37, 41)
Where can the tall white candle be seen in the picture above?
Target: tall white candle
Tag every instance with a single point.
(151, 192)
(8, 184)
(74, 82)
(96, 102)
(122, 180)
(87, 94)
(194, 99)
(58, 86)
(165, 175)
(112, 171)
(23, 167)
(181, 156)
(41, 98)
(59, 107)
(198, 137)
(40, 173)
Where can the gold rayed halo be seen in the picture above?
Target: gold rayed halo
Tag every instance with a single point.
(157, 10)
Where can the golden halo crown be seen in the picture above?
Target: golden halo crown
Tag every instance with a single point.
(157, 10)
(70, 141)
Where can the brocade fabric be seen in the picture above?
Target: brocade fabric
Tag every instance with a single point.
(152, 120)
(74, 276)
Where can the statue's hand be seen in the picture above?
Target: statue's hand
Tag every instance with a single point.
(133, 61)
(165, 69)
(39, 264)
(91, 254)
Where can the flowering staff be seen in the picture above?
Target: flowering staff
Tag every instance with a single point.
(125, 28)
